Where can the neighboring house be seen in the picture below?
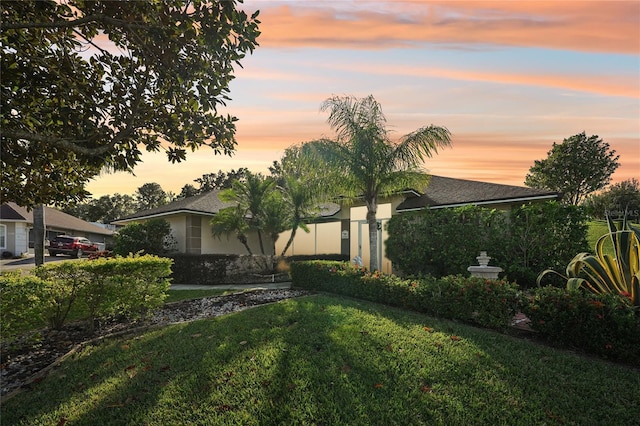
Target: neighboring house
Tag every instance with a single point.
(16, 228)
(336, 230)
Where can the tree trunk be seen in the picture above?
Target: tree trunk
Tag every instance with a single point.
(291, 237)
(38, 234)
(260, 241)
(372, 208)
(245, 243)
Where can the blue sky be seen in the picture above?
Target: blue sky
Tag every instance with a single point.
(506, 78)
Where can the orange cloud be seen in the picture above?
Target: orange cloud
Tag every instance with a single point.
(593, 26)
(607, 85)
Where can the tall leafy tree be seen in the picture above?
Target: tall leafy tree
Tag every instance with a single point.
(150, 195)
(577, 167)
(220, 180)
(87, 84)
(105, 209)
(188, 190)
(364, 162)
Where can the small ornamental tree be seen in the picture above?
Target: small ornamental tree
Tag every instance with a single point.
(151, 237)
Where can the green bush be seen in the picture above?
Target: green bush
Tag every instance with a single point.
(602, 324)
(66, 284)
(99, 288)
(542, 236)
(151, 237)
(522, 242)
(444, 241)
(24, 300)
(489, 303)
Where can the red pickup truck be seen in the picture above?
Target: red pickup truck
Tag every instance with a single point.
(73, 246)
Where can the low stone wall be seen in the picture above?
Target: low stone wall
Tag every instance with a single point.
(212, 269)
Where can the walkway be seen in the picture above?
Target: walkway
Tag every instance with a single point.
(261, 286)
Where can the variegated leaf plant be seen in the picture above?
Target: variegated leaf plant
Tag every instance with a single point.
(603, 273)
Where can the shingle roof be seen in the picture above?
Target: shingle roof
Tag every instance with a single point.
(208, 203)
(12, 212)
(449, 192)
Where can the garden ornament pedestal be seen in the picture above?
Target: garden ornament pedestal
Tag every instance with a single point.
(484, 270)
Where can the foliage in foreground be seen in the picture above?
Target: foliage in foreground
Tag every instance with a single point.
(327, 360)
(601, 324)
(608, 327)
(91, 83)
(603, 273)
(99, 288)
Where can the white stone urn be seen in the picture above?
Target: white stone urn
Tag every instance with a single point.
(484, 270)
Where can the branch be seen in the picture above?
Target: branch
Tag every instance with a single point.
(70, 23)
(73, 145)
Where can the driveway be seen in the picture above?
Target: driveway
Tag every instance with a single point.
(29, 262)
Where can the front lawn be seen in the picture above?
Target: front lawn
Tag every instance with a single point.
(327, 360)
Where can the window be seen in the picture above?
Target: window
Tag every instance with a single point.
(3, 236)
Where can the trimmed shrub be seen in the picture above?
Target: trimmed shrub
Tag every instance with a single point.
(128, 286)
(602, 324)
(489, 303)
(24, 300)
(444, 242)
(65, 286)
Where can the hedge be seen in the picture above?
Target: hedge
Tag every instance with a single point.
(604, 325)
(488, 303)
(102, 288)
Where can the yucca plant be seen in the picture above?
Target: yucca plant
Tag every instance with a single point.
(602, 273)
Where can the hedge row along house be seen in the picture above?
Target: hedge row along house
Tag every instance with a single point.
(337, 229)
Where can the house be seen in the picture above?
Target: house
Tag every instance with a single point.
(336, 230)
(189, 220)
(442, 192)
(16, 228)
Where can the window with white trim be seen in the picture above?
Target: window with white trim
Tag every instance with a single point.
(3, 236)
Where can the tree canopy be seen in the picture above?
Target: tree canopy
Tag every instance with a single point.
(577, 167)
(89, 84)
(618, 200)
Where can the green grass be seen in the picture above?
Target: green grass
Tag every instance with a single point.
(327, 360)
(598, 228)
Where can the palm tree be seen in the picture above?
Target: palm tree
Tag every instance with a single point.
(231, 220)
(250, 196)
(297, 180)
(365, 162)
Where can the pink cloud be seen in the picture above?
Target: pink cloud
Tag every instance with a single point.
(604, 26)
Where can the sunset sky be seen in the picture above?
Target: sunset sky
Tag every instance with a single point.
(506, 78)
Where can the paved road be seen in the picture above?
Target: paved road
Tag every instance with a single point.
(29, 262)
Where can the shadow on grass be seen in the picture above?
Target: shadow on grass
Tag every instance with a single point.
(327, 360)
